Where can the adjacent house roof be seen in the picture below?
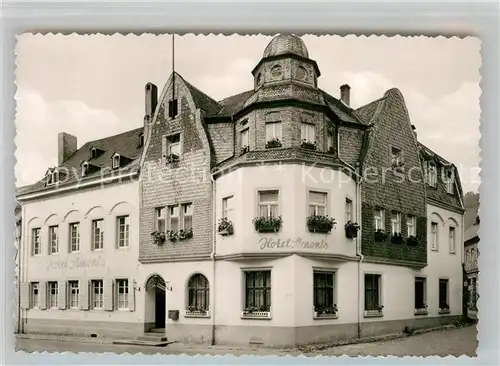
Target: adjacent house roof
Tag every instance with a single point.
(126, 144)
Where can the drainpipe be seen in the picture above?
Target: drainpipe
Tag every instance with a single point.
(212, 255)
(358, 248)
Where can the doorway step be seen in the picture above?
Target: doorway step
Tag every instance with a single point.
(153, 339)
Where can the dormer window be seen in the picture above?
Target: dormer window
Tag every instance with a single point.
(449, 181)
(431, 174)
(172, 108)
(116, 161)
(52, 177)
(141, 139)
(85, 169)
(95, 152)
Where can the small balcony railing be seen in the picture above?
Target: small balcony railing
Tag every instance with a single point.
(471, 266)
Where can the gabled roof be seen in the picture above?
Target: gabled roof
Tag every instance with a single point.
(471, 233)
(126, 144)
(368, 111)
(202, 100)
(430, 154)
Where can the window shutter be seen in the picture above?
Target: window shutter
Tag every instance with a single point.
(108, 294)
(131, 294)
(84, 294)
(42, 293)
(25, 295)
(62, 295)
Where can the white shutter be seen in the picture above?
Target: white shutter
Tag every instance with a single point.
(25, 295)
(62, 295)
(108, 294)
(131, 294)
(42, 293)
(84, 294)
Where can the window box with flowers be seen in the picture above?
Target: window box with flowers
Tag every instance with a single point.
(182, 234)
(421, 310)
(412, 240)
(196, 312)
(320, 223)
(159, 237)
(308, 145)
(351, 229)
(256, 312)
(267, 224)
(380, 235)
(273, 143)
(172, 158)
(225, 227)
(397, 238)
(444, 309)
(244, 150)
(326, 312)
(374, 313)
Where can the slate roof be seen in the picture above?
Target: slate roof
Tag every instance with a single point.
(126, 144)
(471, 233)
(367, 112)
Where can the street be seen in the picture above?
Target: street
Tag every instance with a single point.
(454, 342)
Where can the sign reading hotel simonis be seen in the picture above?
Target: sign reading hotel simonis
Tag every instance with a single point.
(74, 263)
(273, 243)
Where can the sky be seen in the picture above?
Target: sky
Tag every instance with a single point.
(92, 86)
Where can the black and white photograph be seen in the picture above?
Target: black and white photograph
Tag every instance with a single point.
(286, 194)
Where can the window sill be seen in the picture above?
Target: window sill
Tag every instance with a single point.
(422, 311)
(266, 315)
(324, 316)
(197, 314)
(373, 314)
(444, 311)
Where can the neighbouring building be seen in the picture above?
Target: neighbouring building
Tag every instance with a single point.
(278, 216)
(17, 243)
(80, 240)
(471, 254)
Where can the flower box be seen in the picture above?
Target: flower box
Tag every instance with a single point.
(397, 238)
(320, 223)
(308, 145)
(412, 240)
(267, 224)
(273, 143)
(380, 235)
(374, 313)
(444, 309)
(326, 312)
(172, 158)
(225, 227)
(194, 312)
(179, 235)
(159, 237)
(262, 312)
(421, 310)
(351, 229)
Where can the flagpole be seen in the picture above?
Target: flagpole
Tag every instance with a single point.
(173, 67)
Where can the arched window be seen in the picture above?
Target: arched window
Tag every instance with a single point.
(198, 294)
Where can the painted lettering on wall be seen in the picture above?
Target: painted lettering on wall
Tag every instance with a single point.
(273, 243)
(73, 263)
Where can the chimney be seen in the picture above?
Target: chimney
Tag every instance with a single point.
(67, 146)
(345, 94)
(151, 99)
(414, 131)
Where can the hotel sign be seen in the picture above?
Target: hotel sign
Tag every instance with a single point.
(74, 263)
(272, 243)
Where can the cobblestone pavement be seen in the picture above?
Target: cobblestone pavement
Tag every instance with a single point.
(454, 342)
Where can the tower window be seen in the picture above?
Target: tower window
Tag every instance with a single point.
(172, 108)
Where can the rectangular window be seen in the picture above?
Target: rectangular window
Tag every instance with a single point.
(372, 292)
(116, 161)
(411, 225)
(434, 236)
(450, 181)
(420, 293)
(443, 294)
(74, 237)
(123, 231)
(431, 174)
(258, 290)
(74, 294)
(330, 140)
(36, 247)
(172, 108)
(317, 203)
(34, 295)
(161, 218)
(173, 216)
(228, 208)
(174, 144)
(53, 294)
(244, 138)
(452, 235)
(348, 210)
(268, 203)
(324, 290)
(97, 234)
(397, 157)
(187, 216)
(273, 131)
(53, 239)
(308, 132)
(395, 222)
(122, 293)
(97, 294)
(379, 219)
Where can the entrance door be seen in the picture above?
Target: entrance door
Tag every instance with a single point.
(160, 308)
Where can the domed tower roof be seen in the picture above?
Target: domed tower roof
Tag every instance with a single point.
(283, 44)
